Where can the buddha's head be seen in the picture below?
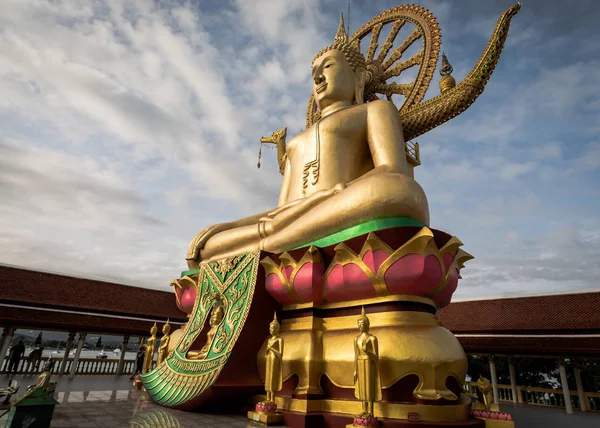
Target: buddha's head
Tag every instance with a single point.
(216, 316)
(154, 330)
(166, 328)
(363, 322)
(274, 326)
(339, 72)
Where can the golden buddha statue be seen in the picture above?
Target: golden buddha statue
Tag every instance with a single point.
(485, 387)
(150, 348)
(274, 353)
(216, 317)
(163, 348)
(348, 175)
(367, 384)
(347, 168)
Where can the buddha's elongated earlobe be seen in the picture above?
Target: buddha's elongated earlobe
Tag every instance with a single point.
(359, 85)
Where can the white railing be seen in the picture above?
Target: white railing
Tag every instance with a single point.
(542, 396)
(85, 366)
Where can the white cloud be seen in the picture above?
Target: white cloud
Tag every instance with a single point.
(513, 170)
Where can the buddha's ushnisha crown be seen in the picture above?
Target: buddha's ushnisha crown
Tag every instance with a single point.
(275, 322)
(353, 55)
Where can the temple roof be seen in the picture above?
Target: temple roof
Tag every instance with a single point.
(564, 313)
(50, 300)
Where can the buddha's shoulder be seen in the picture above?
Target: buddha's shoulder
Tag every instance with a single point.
(297, 140)
(377, 107)
(381, 107)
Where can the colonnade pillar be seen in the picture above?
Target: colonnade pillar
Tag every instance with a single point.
(513, 378)
(80, 342)
(565, 385)
(580, 392)
(63, 365)
(494, 379)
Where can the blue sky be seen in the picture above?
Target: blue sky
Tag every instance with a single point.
(126, 127)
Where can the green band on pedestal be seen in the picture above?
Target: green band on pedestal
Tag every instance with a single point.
(362, 229)
(189, 272)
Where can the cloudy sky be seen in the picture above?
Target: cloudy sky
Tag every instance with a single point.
(126, 127)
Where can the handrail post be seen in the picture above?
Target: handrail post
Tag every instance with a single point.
(519, 395)
(122, 356)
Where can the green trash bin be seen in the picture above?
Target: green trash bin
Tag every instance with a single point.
(32, 410)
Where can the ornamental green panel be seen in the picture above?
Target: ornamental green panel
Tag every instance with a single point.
(228, 283)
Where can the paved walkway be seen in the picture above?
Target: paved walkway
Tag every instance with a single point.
(109, 401)
(526, 416)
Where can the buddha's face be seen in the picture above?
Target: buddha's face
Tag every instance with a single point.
(166, 329)
(273, 329)
(363, 326)
(334, 79)
(215, 317)
(153, 330)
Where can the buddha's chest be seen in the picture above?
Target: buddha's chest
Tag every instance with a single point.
(339, 135)
(333, 150)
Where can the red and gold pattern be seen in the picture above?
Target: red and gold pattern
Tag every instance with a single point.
(417, 267)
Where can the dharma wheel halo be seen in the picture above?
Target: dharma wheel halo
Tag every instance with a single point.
(387, 64)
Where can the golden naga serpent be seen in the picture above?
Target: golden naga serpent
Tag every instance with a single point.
(418, 118)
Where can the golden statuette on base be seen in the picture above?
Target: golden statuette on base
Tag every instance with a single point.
(266, 411)
(485, 387)
(150, 348)
(367, 383)
(163, 348)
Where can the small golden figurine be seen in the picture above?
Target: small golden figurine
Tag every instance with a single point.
(274, 374)
(216, 317)
(367, 384)
(150, 347)
(163, 348)
(266, 411)
(485, 387)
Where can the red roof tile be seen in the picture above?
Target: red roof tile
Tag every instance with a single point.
(567, 346)
(32, 288)
(572, 313)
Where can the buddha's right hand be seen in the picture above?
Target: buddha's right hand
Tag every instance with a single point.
(193, 252)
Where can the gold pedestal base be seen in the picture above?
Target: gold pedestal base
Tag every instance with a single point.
(410, 343)
(265, 418)
(452, 412)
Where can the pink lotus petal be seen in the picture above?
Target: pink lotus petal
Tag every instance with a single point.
(188, 299)
(414, 274)
(307, 282)
(277, 291)
(348, 282)
(374, 259)
(444, 296)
